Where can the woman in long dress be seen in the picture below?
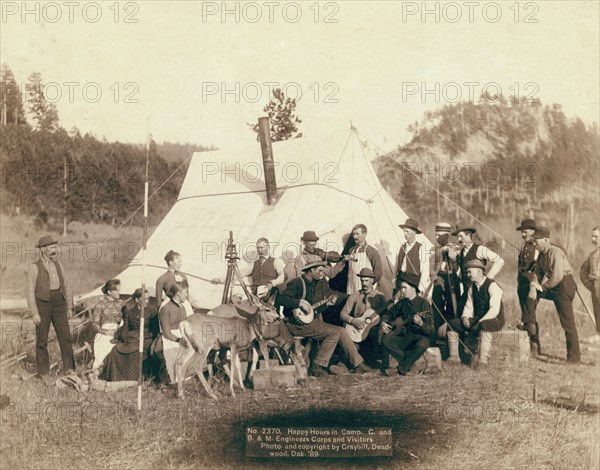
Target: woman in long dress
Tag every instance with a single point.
(122, 363)
(106, 318)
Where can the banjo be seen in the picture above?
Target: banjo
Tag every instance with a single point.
(307, 317)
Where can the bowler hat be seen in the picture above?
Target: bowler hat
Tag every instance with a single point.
(464, 228)
(475, 263)
(443, 227)
(366, 272)
(46, 240)
(411, 223)
(310, 236)
(412, 279)
(541, 232)
(316, 264)
(527, 224)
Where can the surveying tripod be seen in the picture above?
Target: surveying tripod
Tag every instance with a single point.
(233, 272)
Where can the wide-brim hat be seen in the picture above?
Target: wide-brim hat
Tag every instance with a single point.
(541, 232)
(412, 224)
(475, 263)
(46, 240)
(316, 264)
(464, 228)
(412, 279)
(366, 272)
(527, 224)
(309, 236)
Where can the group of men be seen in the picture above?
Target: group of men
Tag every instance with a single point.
(466, 305)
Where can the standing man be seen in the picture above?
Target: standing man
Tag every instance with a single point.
(470, 251)
(405, 329)
(555, 282)
(590, 276)
(482, 314)
(363, 256)
(50, 300)
(446, 289)
(266, 272)
(528, 256)
(411, 257)
(303, 292)
(310, 255)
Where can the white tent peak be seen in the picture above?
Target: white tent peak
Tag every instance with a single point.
(326, 185)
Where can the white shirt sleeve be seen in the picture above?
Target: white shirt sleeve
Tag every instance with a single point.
(280, 268)
(484, 253)
(495, 301)
(424, 256)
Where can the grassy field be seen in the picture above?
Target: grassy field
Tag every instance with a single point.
(460, 418)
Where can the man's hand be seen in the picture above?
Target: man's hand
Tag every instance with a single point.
(442, 330)
(36, 319)
(385, 328)
(467, 322)
(333, 300)
(304, 305)
(215, 281)
(532, 292)
(269, 286)
(358, 323)
(69, 313)
(418, 320)
(452, 253)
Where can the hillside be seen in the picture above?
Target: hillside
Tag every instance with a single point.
(499, 161)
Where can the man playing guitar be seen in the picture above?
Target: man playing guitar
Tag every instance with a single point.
(360, 313)
(303, 292)
(405, 329)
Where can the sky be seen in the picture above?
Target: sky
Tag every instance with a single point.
(199, 72)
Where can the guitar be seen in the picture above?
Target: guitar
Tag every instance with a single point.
(308, 317)
(397, 331)
(371, 318)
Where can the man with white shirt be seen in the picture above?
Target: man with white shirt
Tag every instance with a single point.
(412, 258)
(266, 272)
(363, 256)
(482, 314)
(470, 251)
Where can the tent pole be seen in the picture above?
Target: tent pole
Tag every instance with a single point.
(143, 299)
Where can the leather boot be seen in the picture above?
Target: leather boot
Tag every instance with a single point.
(453, 347)
(485, 347)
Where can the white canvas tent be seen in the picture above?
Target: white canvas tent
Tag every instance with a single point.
(327, 186)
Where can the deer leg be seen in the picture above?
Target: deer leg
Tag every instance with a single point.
(232, 377)
(238, 366)
(203, 357)
(264, 349)
(186, 353)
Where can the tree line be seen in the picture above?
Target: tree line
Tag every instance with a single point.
(59, 175)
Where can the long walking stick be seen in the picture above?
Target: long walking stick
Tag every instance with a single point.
(586, 307)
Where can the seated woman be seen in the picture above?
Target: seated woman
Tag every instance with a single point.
(173, 274)
(106, 318)
(170, 315)
(122, 363)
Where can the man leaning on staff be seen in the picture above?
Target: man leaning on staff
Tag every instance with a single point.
(50, 300)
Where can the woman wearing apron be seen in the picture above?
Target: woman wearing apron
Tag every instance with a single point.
(107, 316)
(170, 315)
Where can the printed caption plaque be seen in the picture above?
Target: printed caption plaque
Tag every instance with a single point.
(318, 442)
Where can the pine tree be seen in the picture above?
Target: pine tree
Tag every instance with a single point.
(11, 109)
(284, 123)
(44, 114)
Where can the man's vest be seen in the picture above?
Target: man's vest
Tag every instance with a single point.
(413, 263)
(263, 273)
(481, 300)
(462, 261)
(526, 262)
(42, 284)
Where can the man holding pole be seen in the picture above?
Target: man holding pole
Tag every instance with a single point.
(50, 300)
(590, 276)
(555, 282)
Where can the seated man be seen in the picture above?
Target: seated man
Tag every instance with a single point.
(303, 292)
(368, 298)
(482, 315)
(405, 329)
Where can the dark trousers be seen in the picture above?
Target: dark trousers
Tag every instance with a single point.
(562, 295)
(327, 334)
(528, 306)
(54, 311)
(470, 337)
(596, 304)
(406, 349)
